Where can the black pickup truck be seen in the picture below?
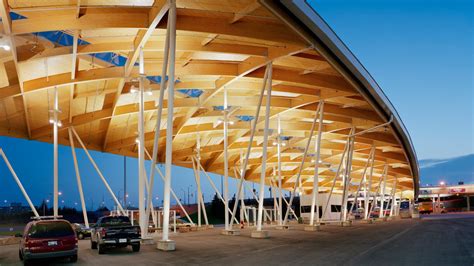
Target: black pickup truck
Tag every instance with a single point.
(115, 231)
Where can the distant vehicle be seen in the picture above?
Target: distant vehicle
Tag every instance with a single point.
(82, 231)
(48, 239)
(115, 231)
(425, 207)
(358, 213)
(183, 223)
(376, 212)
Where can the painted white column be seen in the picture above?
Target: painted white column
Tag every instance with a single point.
(336, 176)
(55, 153)
(265, 145)
(347, 180)
(226, 164)
(280, 191)
(78, 179)
(382, 196)
(362, 181)
(198, 179)
(169, 123)
(369, 186)
(141, 146)
(157, 131)
(249, 147)
(393, 202)
(317, 148)
(303, 160)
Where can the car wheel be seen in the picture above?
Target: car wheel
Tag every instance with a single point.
(20, 255)
(93, 245)
(136, 247)
(80, 236)
(101, 249)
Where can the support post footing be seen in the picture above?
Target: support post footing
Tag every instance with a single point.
(369, 221)
(312, 228)
(166, 245)
(260, 234)
(148, 241)
(346, 223)
(231, 232)
(282, 227)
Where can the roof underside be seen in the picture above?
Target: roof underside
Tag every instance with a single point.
(89, 52)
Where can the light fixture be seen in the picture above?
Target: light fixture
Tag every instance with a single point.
(51, 121)
(283, 144)
(60, 124)
(312, 160)
(219, 121)
(149, 93)
(137, 140)
(6, 47)
(133, 90)
(231, 122)
(275, 143)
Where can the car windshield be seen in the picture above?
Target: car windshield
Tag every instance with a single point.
(50, 229)
(115, 221)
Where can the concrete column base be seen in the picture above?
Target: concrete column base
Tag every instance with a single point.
(166, 245)
(312, 228)
(369, 221)
(231, 232)
(282, 227)
(260, 234)
(346, 223)
(148, 241)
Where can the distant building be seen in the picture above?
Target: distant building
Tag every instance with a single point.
(15, 207)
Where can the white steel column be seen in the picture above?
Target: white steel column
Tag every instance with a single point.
(249, 147)
(226, 165)
(346, 148)
(264, 151)
(17, 180)
(382, 196)
(98, 170)
(317, 148)
(198, 179)
(158, 127)
(363, 180)
(55, 153)
(369, 186)
(303, 159)
(392, 205)
(141, 147)
(78, 178)
(169, 122)
(347, 179)
(280, 191)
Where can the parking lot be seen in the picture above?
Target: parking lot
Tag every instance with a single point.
(425, 242)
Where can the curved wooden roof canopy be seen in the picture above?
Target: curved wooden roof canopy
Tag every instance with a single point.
(89, 52)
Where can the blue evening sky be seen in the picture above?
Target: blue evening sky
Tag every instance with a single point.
(420, 53)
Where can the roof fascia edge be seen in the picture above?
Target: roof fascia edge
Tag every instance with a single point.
(306, 22)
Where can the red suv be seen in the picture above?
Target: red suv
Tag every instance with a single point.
(48, 239)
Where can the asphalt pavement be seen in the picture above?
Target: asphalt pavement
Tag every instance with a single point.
(446, 240)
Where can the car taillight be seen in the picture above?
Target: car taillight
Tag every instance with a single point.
(102, 232)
